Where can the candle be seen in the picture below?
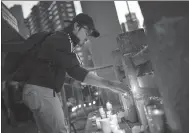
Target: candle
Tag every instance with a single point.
(114, 119)
(105, 124)
(114, 128)
(98, 123)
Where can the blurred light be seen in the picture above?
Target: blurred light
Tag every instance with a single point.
(157, 112)
(79, 106)
(78, 48)
(95, 73)
(73, 109)
(96, 93)
(94, 102)
(81, 58)
(80, 54)
(89, 104)
(83, 83)
(84, 105)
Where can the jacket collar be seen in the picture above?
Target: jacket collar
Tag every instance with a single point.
(73, 37)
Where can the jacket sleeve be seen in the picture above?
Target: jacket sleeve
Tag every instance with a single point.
(61, 53)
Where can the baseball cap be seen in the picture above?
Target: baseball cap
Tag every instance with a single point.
(84, 19)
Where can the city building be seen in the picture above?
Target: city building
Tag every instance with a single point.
(33, 21)
(132, 22)
(8, 17)
(17, 12)
(50, 16)
(45, 16)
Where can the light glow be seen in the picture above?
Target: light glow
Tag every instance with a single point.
(78, 48)
(96, 93)
(80, 53)
(74, 108)
(157, 112)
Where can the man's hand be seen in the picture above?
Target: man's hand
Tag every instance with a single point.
(119, 87)
(114, 86)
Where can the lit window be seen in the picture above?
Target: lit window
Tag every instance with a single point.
(58, 22)
(70, 9)
(70, 14)
(54, 2)
(54, 8)
(59, 27)
(55, 12)
(57, 17)
(68, 5)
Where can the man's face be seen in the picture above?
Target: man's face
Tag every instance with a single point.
(83, 33)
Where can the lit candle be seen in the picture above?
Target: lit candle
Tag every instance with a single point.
(114, 128)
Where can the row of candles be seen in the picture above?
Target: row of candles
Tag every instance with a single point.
(108, 121)
(84, 105)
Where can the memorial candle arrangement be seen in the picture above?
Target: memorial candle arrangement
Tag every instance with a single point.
(108, 121)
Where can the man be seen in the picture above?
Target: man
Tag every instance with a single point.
(46, 79)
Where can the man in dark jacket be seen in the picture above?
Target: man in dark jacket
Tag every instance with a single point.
(46, 79)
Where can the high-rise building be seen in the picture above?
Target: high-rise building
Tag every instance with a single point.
(7, 16)
(50, 16)
(132, 22)
(45, 17)
(17, 12)
(33, 21)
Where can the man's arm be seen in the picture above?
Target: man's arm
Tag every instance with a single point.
(89, 78)
(114, 86)
(63, 56)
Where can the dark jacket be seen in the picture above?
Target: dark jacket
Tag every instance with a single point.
(55, 58)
